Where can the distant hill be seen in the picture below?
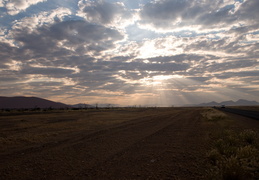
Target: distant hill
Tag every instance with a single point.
(240, 102)
(21, 102)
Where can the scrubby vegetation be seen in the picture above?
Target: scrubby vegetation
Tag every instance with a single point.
(213, 115)
(234, 154)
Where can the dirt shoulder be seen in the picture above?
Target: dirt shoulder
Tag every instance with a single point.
(162, 143)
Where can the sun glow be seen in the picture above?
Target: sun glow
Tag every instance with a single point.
(159, 79)
(166, 77)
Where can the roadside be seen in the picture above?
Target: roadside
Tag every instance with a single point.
(234, 152)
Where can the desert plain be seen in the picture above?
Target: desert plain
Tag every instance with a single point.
(128, 143)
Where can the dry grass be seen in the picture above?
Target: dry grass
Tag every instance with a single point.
(234, 158)
(234, 154)
(216, 117)
(213, 115)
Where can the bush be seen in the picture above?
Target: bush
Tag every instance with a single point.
(232, 169)
(248, 136)
(213, 115)
(235, 156)
(214, 156)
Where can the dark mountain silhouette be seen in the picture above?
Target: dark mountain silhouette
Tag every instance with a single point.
(245, 102)
(240, 102)
(21, 102)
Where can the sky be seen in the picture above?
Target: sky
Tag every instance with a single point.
(130, 52)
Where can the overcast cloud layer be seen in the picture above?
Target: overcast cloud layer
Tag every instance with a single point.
(157, 53)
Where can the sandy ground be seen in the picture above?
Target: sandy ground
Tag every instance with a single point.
(159, 143)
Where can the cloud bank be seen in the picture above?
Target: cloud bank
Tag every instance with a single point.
(157, 53)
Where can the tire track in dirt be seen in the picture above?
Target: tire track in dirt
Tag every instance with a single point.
(108, 143)
(163, 145)
(169, 153)
(79, 148)
(77, 137)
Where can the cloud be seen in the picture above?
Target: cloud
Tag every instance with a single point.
(1, 4)
(37, 20)
(7, 54)
(180, 50)
(16, 6)
(105, 13)
(248, 11)
(67, 37)
(173, 15)
(48, 71)
(177, 58)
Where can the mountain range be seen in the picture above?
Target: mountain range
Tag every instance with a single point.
(21, 102)
(240, 102)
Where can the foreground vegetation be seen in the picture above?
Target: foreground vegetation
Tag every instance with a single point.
(234, 153)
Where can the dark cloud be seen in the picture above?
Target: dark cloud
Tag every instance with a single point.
(7, 52)
(200, 80)
(177, 58)
(248, 11)
(47, 71)
(140, 66)
(8, 78)
(103, 12)
(170, 14)
(45, 84)
(214, 19)
(57, 39)
(219, 68)
(227, 44)
(232, 65)
(240, 74)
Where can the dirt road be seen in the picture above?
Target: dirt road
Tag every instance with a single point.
(142, 144)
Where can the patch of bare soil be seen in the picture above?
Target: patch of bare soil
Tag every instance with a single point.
(161, 143)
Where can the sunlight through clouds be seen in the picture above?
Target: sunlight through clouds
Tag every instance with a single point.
(130, 53)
